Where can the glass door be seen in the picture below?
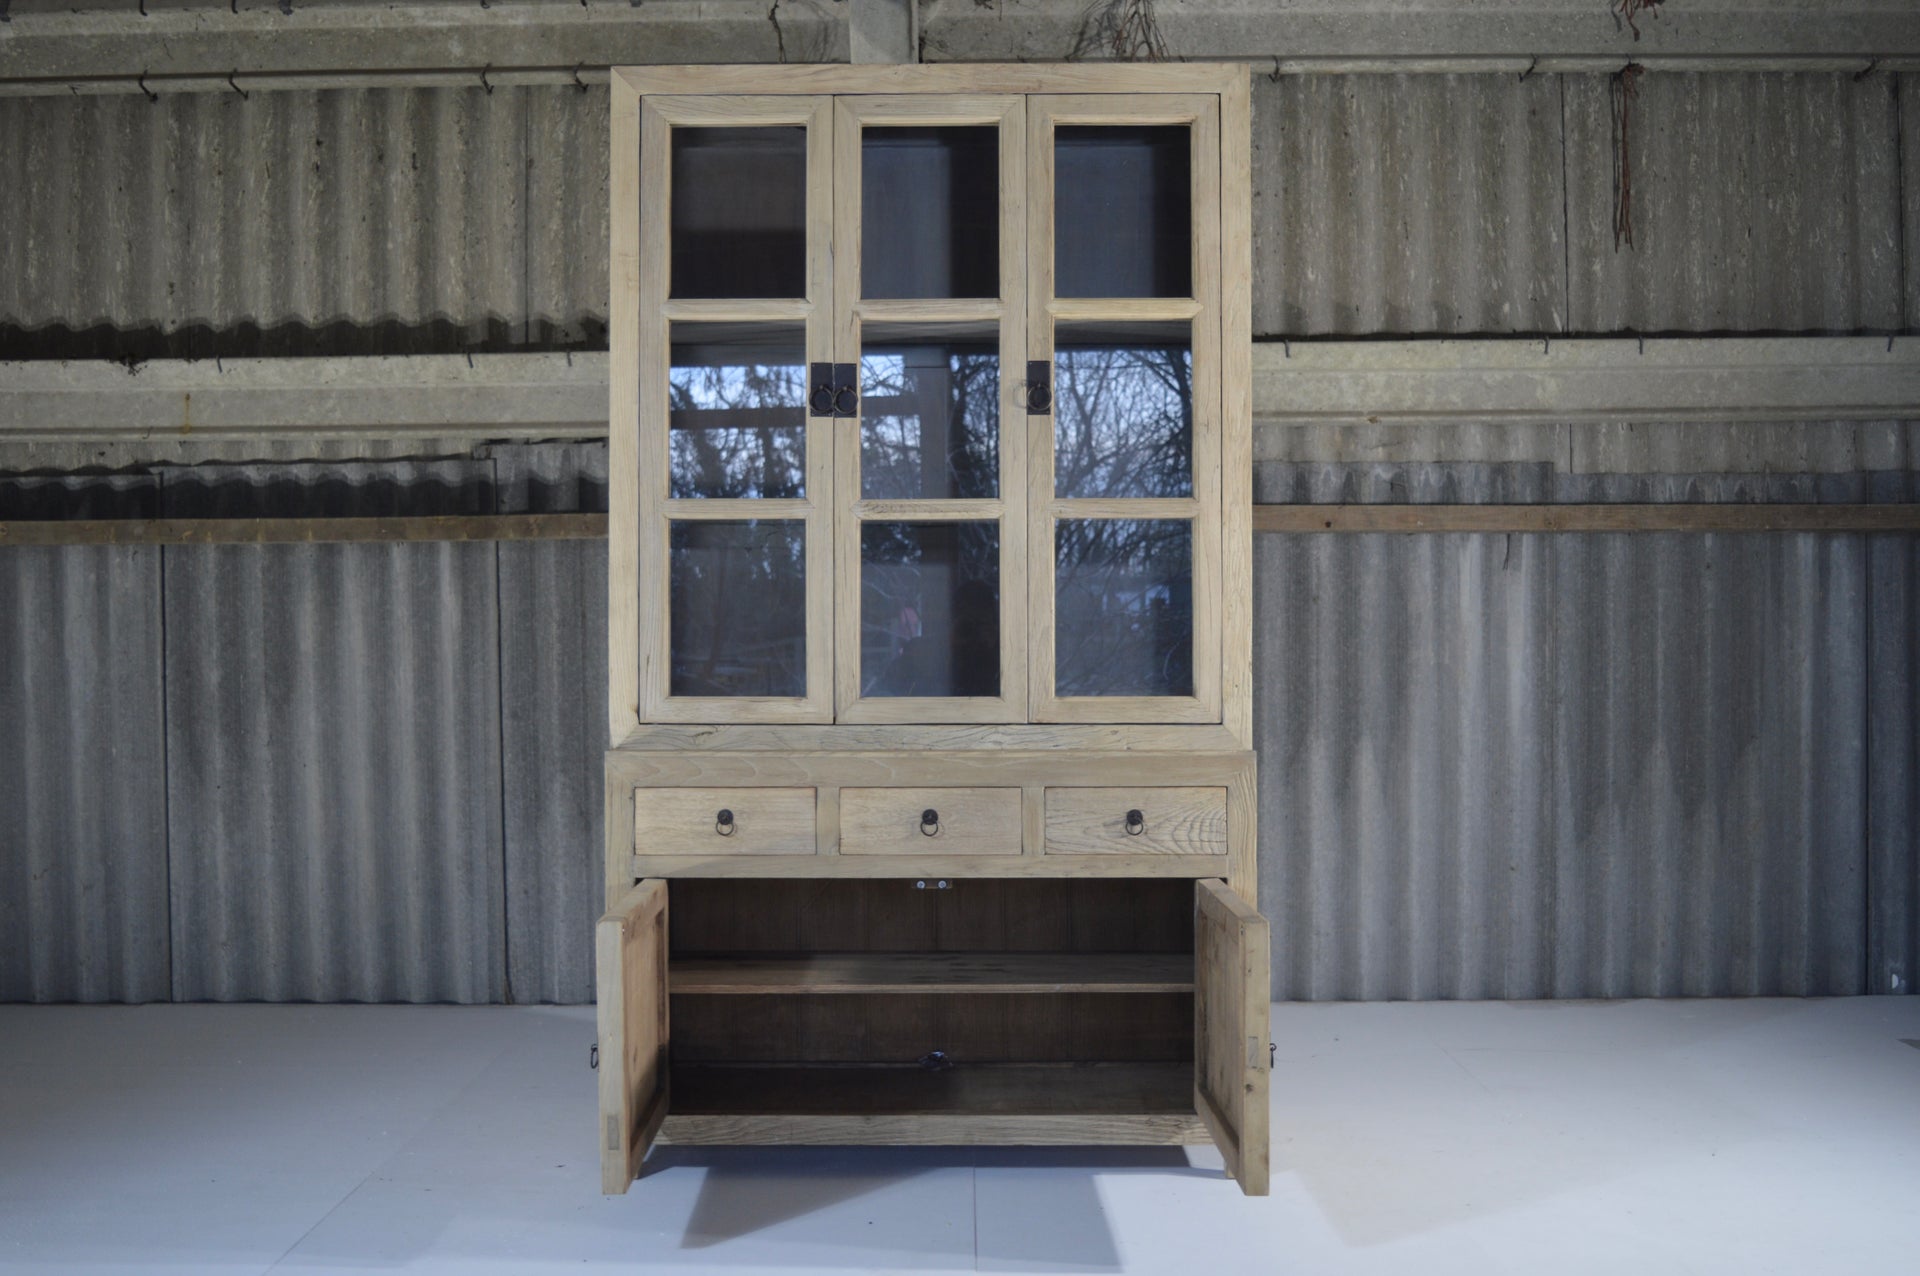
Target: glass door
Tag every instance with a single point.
(734, 472)
(1124, 316)
(930, 463)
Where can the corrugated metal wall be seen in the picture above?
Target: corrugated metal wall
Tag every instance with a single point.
(1579, 766)
(304, 772)
(350, 221)
(83, 809)
(1408, 203)
(418, 220)
(1491, 766)
(1627, 765)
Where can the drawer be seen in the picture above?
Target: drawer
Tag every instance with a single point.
(1184, 821)
(723, 822)
(967, 822)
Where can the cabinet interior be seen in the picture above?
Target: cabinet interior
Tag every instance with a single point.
(865, 996)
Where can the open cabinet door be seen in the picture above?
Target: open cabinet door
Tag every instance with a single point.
(630, 949)
(1230, 992)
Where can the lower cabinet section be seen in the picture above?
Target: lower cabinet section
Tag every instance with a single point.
(997, 1011)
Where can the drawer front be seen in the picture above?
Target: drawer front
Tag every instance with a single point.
(968, 822)
(693, 822)
(1172, 821)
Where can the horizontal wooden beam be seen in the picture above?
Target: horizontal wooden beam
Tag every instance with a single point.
(305, 531)
(1586, 518)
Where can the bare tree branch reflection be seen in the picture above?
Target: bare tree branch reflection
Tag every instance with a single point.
(736, 421)
(1123, 419)
(930, 422)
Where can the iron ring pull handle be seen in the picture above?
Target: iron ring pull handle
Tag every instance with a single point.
(1039, 397)
(846, 401)
(1136, 822)
(930, 822)
(723, 823)
(821, 399)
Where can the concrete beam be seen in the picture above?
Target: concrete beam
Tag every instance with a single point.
(1693, 404)
(52, 44)
(1534, 381)
(438, 397)
(883, 31)
(1446, 35)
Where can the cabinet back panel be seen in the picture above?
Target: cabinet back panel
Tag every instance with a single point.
(794, 915)
(901, 1028)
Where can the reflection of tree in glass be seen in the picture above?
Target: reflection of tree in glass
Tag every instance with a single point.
(736, 428)
(930, 609)
(1123, 623)
(1123, 420)
(930, 422)
(737, 609)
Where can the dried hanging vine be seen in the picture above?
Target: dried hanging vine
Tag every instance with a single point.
(1125, 30)
(1628, 10)
(1625, 89)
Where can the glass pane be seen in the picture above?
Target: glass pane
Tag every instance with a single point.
(929, 411)
(930, 609)
(736, 410)
(737, 608)
(739, 225)
(1122, 211)
(1123, 410)
(1123, 607)
(930, 211)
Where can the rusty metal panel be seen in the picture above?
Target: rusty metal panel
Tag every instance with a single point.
(333, 746)
(1407, 204)
(1760, 203)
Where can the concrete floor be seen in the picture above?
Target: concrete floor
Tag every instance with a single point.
(1748, 1137)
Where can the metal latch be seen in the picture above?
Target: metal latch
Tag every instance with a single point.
(833, 390)
(1039, 387)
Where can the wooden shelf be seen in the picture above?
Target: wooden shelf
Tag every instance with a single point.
(812, 973)
(1068, 1089)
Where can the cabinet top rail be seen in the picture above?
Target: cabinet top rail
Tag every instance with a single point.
(1164, 77)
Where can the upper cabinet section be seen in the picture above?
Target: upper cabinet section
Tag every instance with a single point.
(919, 407)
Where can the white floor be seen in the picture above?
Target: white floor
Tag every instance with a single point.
(1739, 1137)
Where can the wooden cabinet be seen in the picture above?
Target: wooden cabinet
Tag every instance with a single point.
(930, 807)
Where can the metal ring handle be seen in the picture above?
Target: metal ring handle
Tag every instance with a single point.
(1136, 822)
(821, 399)
(846, 401)
(723, 822)
(930, 822)
(1039, 398)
